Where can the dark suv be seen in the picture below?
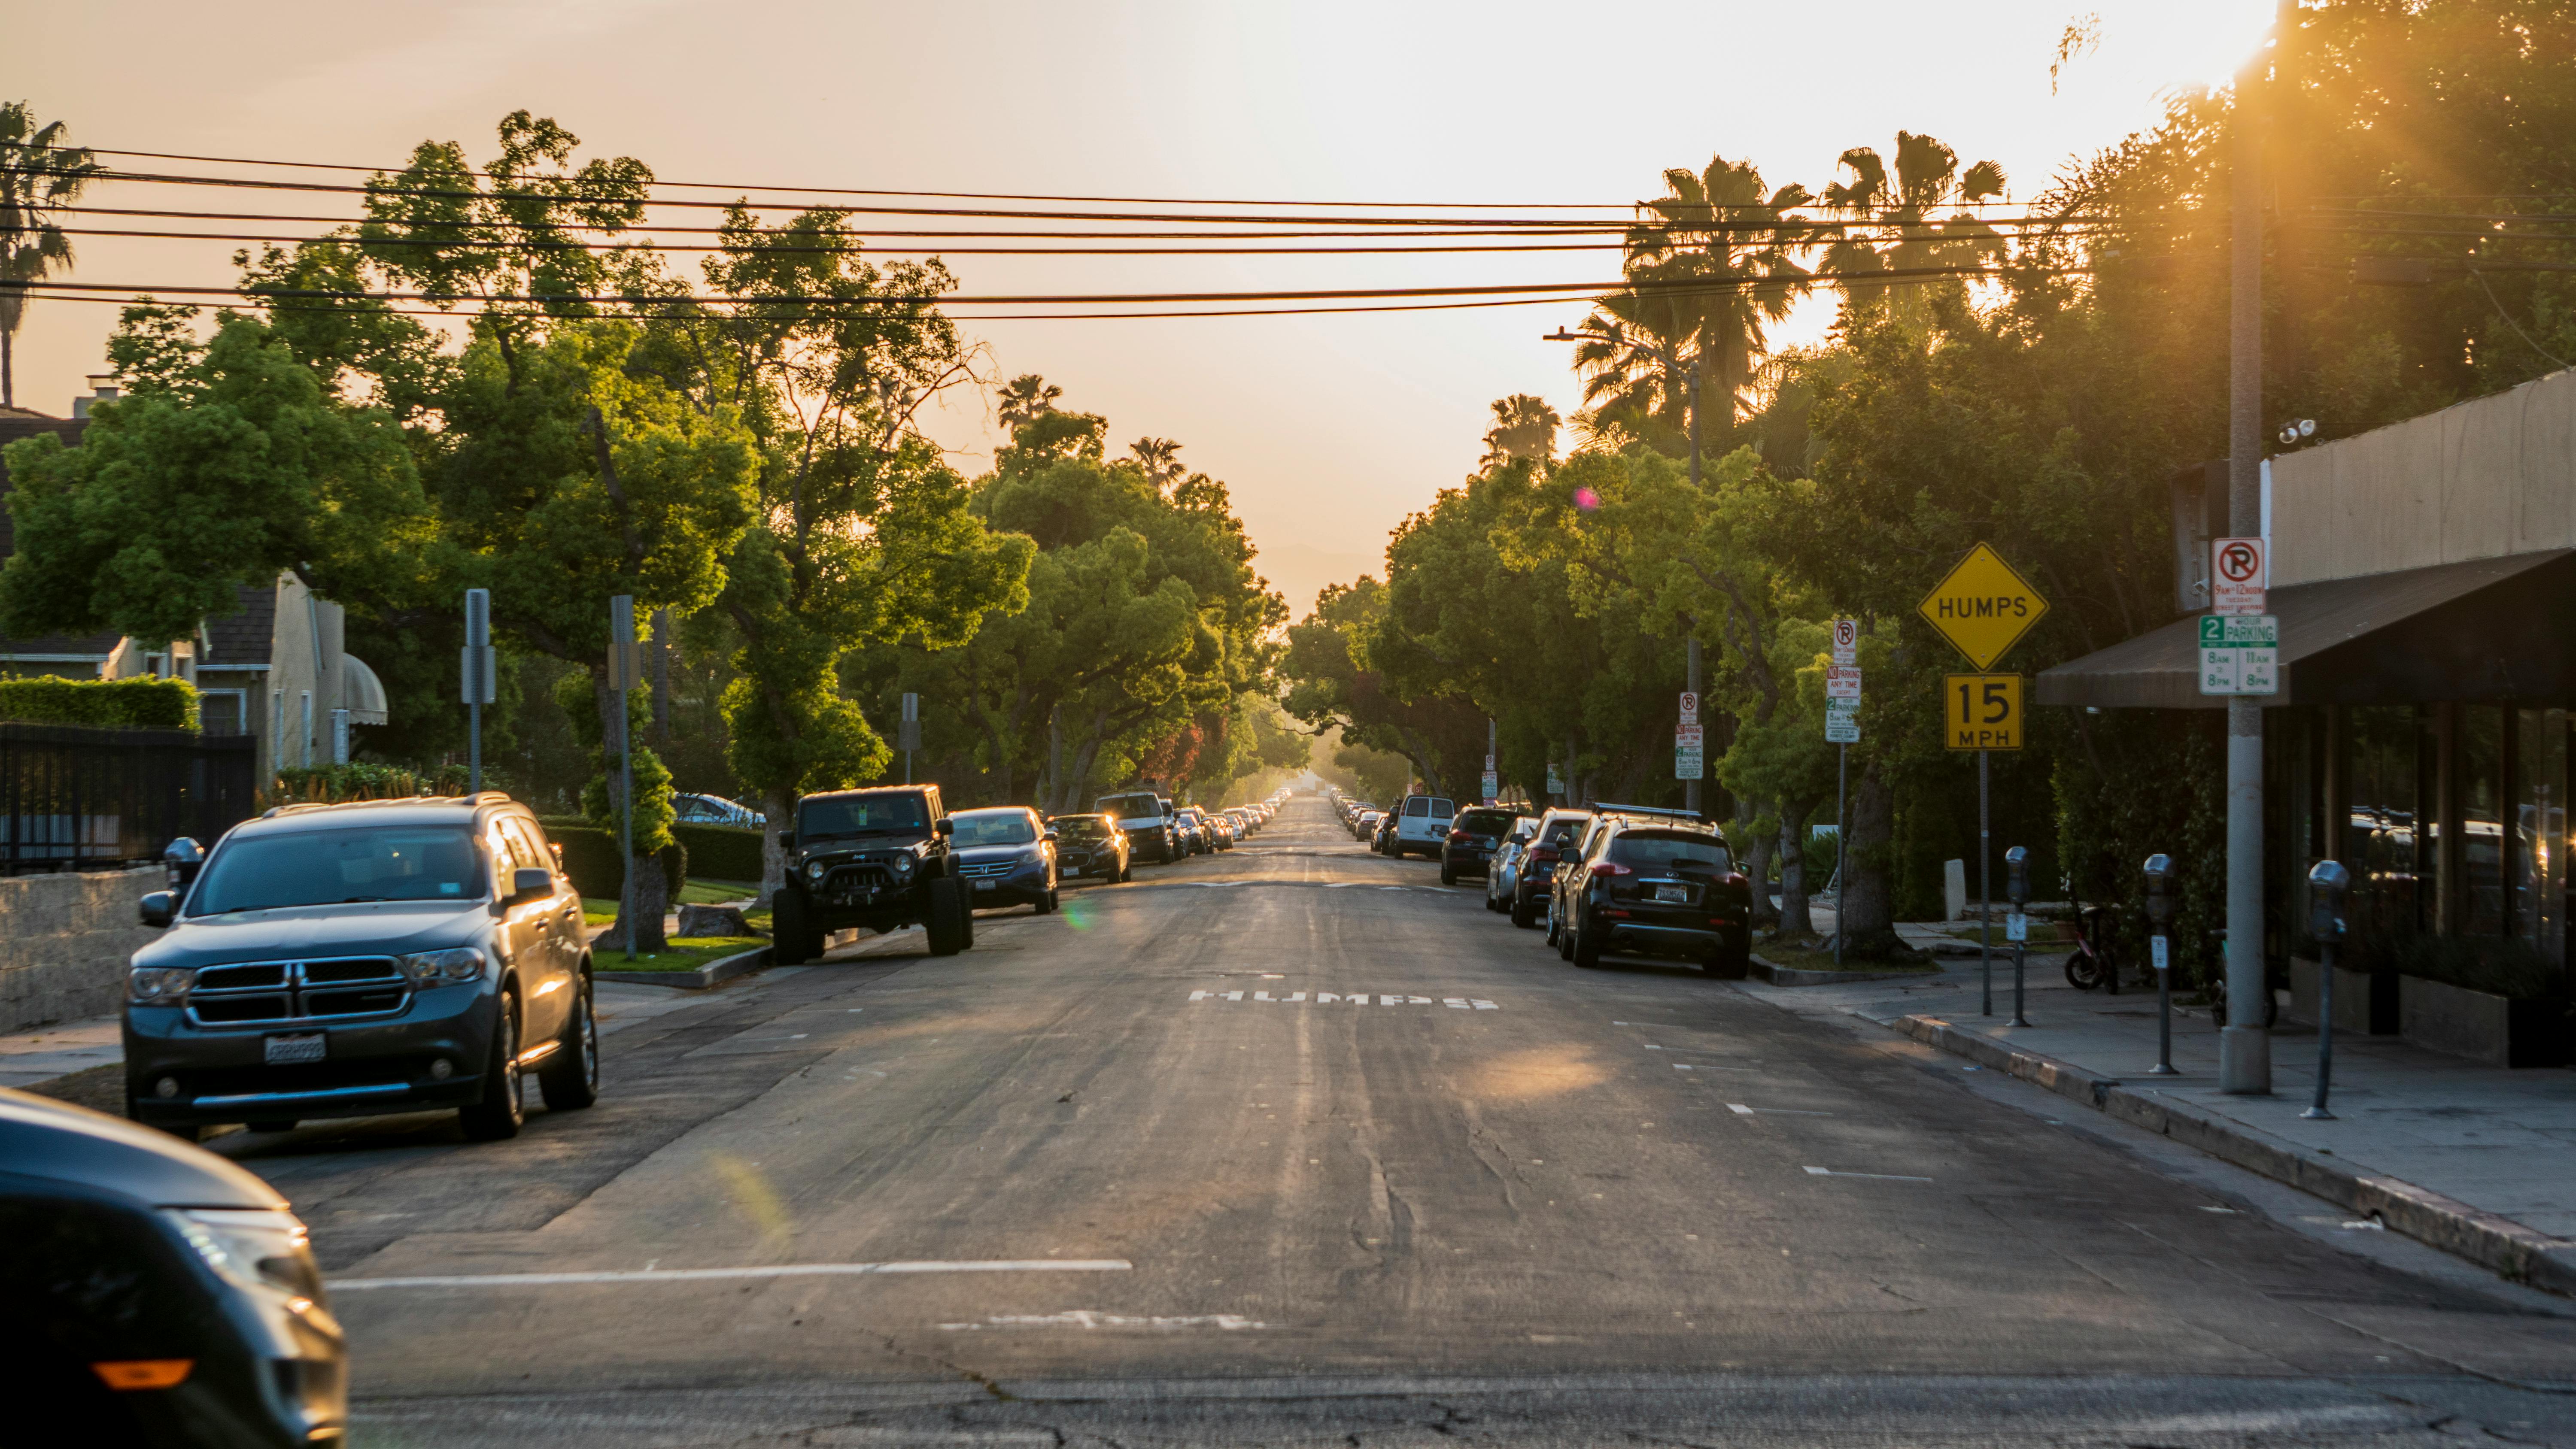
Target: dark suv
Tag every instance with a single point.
(1660, 888)
(348, 960)
(876, 859)
(1557, 833)
(1473, 834)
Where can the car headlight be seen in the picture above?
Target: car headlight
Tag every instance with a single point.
(252, 1247)
(903, 864)
(159, 985)
(439, 968)
(813, 870)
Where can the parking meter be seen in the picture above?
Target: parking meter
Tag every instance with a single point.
(180, 861)
(2160, 904)
(2327, 884)
(2017, 875)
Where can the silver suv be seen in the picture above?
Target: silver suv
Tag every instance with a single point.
(349, 960)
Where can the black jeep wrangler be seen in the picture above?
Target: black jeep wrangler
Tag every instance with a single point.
(878, 859)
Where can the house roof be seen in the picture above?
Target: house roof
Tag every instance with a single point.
(246, 635)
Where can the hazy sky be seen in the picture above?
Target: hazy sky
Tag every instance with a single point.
(1329, 429)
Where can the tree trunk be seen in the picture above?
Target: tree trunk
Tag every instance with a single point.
(780, 806)
(1794, 917)
(1757, 863)
(650, 895)
(1869, 903)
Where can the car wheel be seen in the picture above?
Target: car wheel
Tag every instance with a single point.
(1046, 903)
(1564, 944)
(1126, 872)
(1732, 961)
(1524, 912)
(503, 1108)
(1586, 951)
(949, 918)
(570, 1079)
(1448, 874)
(1551, 923)
(787, 928)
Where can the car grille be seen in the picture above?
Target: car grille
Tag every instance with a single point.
(269, 991)
(987, 869)
(851, 880)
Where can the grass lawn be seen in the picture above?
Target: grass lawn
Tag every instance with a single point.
(602, 910)
(1802, 956)
(685, 953)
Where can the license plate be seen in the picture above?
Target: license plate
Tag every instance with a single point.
(1678, 895)
(988, 885)
(305, 1047)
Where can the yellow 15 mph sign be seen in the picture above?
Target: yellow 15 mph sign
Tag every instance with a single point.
(1981, 711)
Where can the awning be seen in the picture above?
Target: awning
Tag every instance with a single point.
(2483, 629)
(361, 693)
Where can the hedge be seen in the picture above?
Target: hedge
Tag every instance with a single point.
(298, 784)
(598, 868)
(131, 704)
(721, 852)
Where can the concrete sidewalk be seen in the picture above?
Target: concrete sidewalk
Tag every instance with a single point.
(2474, 1160)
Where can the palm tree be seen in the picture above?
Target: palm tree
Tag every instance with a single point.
(1720, 225)
(1026, 397)
(1639, 355)
(1161, 458)
(39, 176)
(1524, 427)
(1897, 229)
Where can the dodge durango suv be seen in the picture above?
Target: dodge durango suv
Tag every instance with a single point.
(349, 960)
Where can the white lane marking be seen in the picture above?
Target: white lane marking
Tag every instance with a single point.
(1362, 998)
(1339, 885)
(702, 1275)
(1458, 1003)
(1086, 1318)
(1740, 1110)
(1879, 1176)
(1393, 888)
(1482, 1005)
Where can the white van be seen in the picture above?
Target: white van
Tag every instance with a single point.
(1421, 824)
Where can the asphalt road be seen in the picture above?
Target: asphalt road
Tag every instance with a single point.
(1294, 1146)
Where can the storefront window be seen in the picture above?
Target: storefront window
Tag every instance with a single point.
(2380, 824)
(2538, 877)
(2480, 781)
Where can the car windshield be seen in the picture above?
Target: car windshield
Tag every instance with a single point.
(1565, 831)
(862, 815)
(1079, 827)
(998, 827)
(1130, 807)
(1651, 851)
(1484, 822)
(336, 867)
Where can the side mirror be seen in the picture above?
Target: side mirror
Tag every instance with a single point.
(943, 826)
(1050, 835)
(530, 883)
(158, 907)
(787, 840)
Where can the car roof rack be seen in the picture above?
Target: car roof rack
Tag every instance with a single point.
(1604, 807)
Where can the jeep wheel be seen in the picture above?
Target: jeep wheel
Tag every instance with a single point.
(788, 929)
(502, 1110)
(570, 1078)
(949, 920)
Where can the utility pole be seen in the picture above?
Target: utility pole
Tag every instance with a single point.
(1690, 669)
(2244, 1046)
(623, 661)
(480, 665)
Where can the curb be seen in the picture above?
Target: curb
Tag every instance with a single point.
(741, 963)
(1784, 976)
(2522, 1254)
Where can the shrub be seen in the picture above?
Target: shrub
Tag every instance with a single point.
(329, 784)
(110, 704)
(591, 858)
(721, 852)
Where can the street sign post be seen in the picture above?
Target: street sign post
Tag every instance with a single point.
(1687, 763)
(1847, 641)
(1983, 608)
(1842, 681)
(624, 671)
(2240, 569)
(2240, 654)
(1841, 729)
(1690, 707)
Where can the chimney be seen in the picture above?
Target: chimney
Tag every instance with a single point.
(102, 389)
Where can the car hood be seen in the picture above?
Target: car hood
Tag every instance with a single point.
(995, 852)
(382, 928)
(43, 1138)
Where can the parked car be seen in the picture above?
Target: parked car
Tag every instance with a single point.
(1146, 819)
(1364, 824)
(1194, 832)
(1422, 825)
(1089, 845)
(1503, 873)
(1006, 857)
(1661, 888)
(1574, 865)
(716, 810)
(878, 859)
(157, 1294)
(1469, 846)
(1558, 830)
(1383, 840)
(350, 960)
(1220, 831)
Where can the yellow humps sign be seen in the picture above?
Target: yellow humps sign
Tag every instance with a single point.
(1983, 607)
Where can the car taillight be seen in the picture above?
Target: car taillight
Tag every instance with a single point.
(1457, 835)
(1542, 852)
(1608, 868)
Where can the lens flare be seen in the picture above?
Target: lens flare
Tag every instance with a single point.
(1079, 913)
(1586, 499)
